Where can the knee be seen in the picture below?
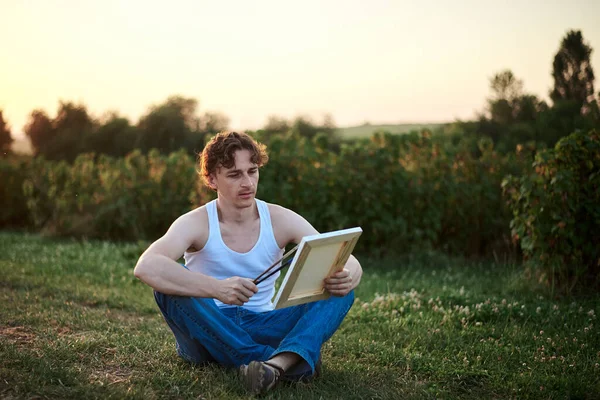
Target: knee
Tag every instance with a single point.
(167, 301)
(349, 299)
(159, 297)
(343, 301)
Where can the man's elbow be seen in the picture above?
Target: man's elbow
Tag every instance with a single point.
(141, 268)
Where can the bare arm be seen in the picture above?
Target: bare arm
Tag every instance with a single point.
(157, 268)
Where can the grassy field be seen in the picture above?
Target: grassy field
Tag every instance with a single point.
(75, 323)
(366, 130)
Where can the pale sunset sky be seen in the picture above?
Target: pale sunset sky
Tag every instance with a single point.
(370, 60)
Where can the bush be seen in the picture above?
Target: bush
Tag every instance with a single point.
(407, 192)
(13, 172)
(136, 197)
(556, 212)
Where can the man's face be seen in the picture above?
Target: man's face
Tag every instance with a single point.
(237, 185)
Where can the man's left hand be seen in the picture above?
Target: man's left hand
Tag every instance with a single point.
(340, 283)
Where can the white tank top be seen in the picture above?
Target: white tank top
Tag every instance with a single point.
(219, 261)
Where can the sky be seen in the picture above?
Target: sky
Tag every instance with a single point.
(361, 61)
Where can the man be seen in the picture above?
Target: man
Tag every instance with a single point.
(216, 312)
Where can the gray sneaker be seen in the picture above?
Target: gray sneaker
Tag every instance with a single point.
(259, 377)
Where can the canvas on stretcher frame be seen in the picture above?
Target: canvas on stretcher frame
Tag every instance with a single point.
(317, 257)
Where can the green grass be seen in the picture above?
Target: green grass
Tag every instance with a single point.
(366, 130)
(75, 323)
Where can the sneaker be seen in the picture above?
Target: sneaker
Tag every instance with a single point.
(259, 377)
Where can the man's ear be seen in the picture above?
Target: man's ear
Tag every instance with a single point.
(212, 181)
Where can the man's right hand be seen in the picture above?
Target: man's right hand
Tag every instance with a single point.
(235, 290)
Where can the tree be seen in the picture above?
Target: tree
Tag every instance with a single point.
(276, 125)
(509, 104)
(527, 107)
(168, 126)
(5, 136)
(71, 126)
(213, 122)
(39, 130)
(506, 86)
(506, 90)
(304, 126)
(572, 72)
(328, 127)
(115, 137)
(61, 138)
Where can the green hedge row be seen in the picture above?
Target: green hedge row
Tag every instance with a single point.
(406, 192)
(409, 192)
(131, 198)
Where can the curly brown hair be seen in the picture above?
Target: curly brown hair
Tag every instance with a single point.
(220, 152)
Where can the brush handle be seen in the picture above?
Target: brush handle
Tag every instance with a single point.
(261, 277)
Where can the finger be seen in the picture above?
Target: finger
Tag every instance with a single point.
(341, 274)
(338, 293)
(338, 280)
(337, 287)
(246, 292)
(234, 302)
(242, 297)
(250, 285)
(341, 279)
(241, 287)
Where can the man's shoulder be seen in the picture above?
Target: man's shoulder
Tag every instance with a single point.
(278, 212)
(193, 226)
(194, 219)
(288, 224)
(274, 207)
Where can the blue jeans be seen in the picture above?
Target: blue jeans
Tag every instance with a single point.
(233, 336)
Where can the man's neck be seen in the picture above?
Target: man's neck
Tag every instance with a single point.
(230, 214)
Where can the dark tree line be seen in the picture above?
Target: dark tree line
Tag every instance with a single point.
(168, 127)
(516, 117)
(512, 117)
(5, 136)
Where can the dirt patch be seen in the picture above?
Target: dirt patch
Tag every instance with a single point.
(19, 335)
